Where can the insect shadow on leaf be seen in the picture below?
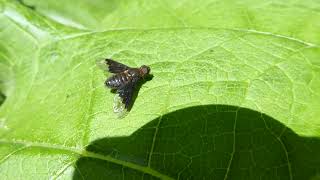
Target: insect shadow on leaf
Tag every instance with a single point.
(137, 89)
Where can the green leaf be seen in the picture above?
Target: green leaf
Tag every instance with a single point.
(298, 19)
(235, 92)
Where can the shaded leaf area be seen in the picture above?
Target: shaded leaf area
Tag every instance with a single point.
(204, 142)
(2, 98)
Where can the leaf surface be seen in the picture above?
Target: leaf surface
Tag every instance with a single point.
(228, 99)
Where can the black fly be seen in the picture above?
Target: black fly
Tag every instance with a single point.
(124, 81)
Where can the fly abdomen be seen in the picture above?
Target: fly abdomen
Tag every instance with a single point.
(117, 80)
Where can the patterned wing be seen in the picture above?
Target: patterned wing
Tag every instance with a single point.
(126, 92)
(116, 67)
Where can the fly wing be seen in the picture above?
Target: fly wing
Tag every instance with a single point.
(126, 92)
(115, 67)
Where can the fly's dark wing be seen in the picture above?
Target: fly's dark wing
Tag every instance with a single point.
(126, 92)
(116, 67)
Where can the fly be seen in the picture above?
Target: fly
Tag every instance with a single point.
(124, 81)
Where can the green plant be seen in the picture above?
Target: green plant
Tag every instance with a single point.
(235, 93)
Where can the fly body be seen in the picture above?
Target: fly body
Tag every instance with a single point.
(119, 79)
(124, 79)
